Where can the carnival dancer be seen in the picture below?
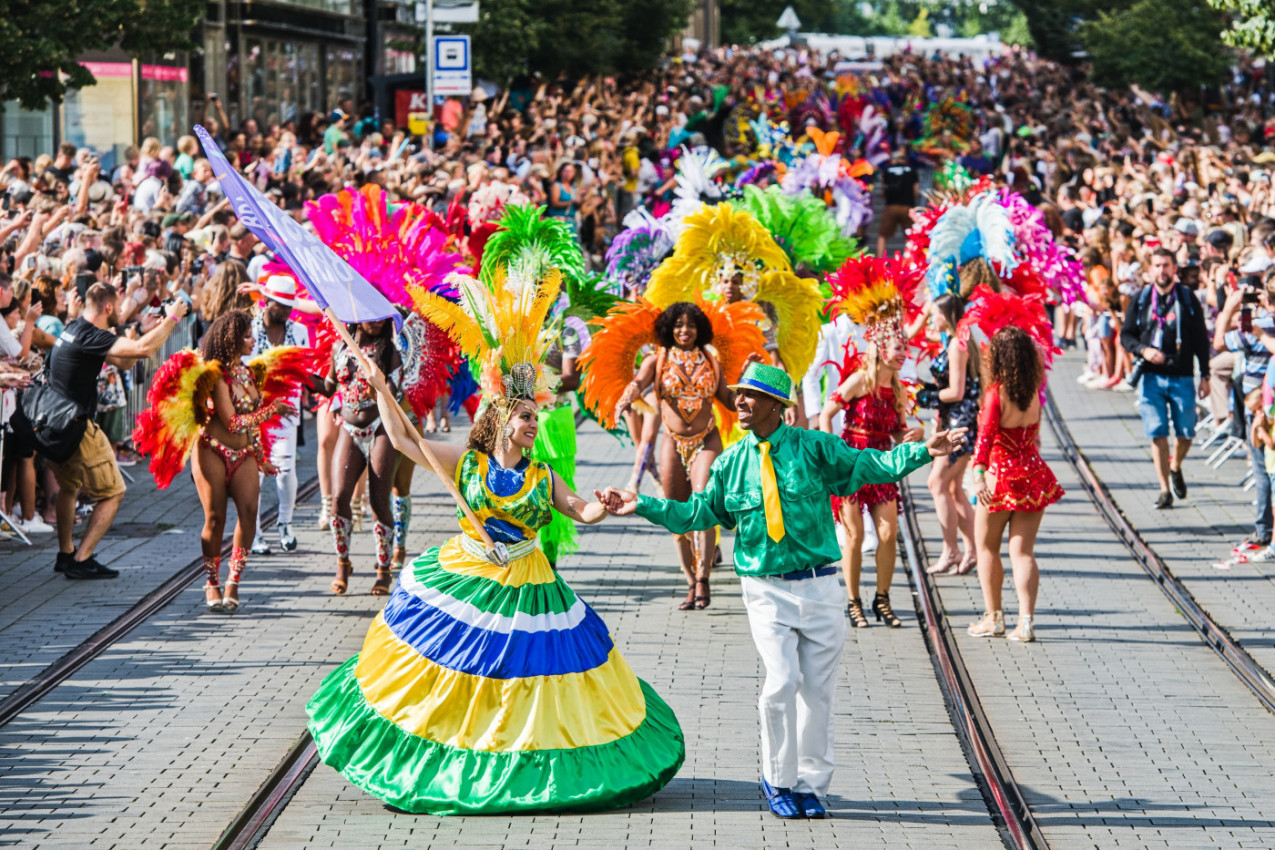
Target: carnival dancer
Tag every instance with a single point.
(1014, 483)
(363, 445)
(222, 414)
(272, 327)
(873, 293)
(784, 553)
(955, 394)
(699, 349)
(485, 687)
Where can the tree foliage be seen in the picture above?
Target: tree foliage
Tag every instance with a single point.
(575, 37)
(1252, 24)
(42, 40)
(1162, 45)
(749, 21)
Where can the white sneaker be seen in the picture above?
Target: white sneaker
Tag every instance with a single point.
(1123, 387)
(1263, 557)
(35, 525)
(1084, 376)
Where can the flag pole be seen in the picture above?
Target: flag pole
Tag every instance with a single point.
(496, 552)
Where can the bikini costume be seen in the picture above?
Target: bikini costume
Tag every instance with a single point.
(871, 421)
(483, 689)
(248, 418)
(1023, 481)
(687, 380)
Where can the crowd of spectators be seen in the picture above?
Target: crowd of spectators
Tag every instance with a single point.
(1119, 174)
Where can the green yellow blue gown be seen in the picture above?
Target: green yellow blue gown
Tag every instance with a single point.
(486, 690)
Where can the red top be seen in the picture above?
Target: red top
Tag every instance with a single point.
(1022, 480)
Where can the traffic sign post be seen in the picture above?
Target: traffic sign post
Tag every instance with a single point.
(452, 63)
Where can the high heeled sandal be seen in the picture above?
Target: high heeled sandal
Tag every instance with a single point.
(705, 599)
(325, 513)
(384, 578)
(967, 565)
(688, 604)
(881, 608)
(854, 610)
(230, 604)
(214, 605)
(346, 568)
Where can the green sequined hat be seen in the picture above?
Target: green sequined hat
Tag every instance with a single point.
(770, 380)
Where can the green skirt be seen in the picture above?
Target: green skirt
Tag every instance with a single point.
(556, 446)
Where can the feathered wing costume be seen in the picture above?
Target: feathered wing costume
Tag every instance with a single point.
(395, 249)
(610, 360)
(179, 404)
(721, 241)
(488, 689)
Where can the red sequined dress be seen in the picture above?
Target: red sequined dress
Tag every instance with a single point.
(1022, 479)
(871, 421)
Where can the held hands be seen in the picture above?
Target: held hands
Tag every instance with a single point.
(1153, 355)
(946, 442)
(617, 502)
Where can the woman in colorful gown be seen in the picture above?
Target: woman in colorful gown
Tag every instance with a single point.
(1014, 483)
(486, 685)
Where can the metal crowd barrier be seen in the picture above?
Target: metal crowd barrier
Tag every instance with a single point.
(138, 379)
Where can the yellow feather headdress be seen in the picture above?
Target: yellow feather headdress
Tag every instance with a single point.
(721, 240)
(717, 242)
(500, 320)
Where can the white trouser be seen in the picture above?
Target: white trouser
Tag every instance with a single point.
(283, 454)
(799, 628)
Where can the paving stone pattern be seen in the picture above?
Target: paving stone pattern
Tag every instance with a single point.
(902, 779)
(156, 532)
(1122, 728)
(1195, 533)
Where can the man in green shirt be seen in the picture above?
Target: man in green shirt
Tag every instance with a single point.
(773, 488)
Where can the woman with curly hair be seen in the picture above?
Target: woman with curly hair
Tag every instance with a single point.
(1014, 483)
(229, 453)
(875, 404)
(362, 445)
(686, 378)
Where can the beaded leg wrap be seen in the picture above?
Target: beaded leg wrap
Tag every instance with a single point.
(384, 535)
(401, 508)
(238, 560)
(212, 569)
(341, 536)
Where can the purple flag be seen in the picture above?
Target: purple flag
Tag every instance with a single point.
(330, 279)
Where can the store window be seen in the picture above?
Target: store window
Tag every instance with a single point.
(164, 89)
(344, 81)
(282, 80)
(102, 117)
(26, 133)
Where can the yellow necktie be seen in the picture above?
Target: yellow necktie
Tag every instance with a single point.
(770, 495)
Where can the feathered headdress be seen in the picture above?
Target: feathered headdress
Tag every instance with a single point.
(828, 175)
(397, 248)
(717, 242)
(500, 322)
(802, 226)
(977, 230)
(874, 292)
(637, 250)
(989, 311)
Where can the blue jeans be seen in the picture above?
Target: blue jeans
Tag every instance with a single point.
(1165, 400)
(1262, 525)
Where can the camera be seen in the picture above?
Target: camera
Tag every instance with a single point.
(159, 311)
(132, 271)
(1140, 364)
